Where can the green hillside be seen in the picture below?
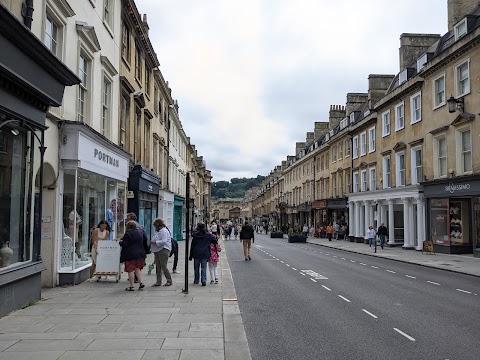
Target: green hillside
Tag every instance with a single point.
(235, 188)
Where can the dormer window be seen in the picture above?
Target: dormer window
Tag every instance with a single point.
(460, 29)
(352, 117)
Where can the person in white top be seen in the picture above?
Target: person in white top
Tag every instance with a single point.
(371, 234)
(100, 233)
(161, 245)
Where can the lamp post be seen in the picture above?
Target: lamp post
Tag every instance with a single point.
(455, 104)
(187, 226)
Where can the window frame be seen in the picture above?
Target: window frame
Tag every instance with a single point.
(126, 47)
(456, 78)
(347, 148)
(363, 180)
(398, 126)
(340, 151)
(108, 9)
(387, 172)
(457, 26)
(400, 174)
(412, 108)
(436, 163)
(356, 178)
(372, 179)
(435, 92)
(385, 125)
(84, 88)
(355, 148)
(371, 140)
(414, 171)
(363, 143)
(106, 130)
(460, 152)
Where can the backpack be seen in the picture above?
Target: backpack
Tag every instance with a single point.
(214, 228)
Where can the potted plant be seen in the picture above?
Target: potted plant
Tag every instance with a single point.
(294, 237)
(276, 235)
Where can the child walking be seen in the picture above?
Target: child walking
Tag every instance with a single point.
(213, 261)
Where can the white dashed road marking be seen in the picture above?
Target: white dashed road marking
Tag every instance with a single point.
(313, 280)
(369, 313)
(294, 269)
(363, 264)
(402, 333)
(434, 283)
(390, 271)
(326, 288)
(344, 298)
(411, 277)
(464, 291)
(374, 267)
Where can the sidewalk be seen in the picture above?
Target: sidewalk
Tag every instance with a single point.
(465, 264)
(103, 321)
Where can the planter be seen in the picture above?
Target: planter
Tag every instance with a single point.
(297, 238)
(276, 235)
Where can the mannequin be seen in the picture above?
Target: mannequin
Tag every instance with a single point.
(73, 232)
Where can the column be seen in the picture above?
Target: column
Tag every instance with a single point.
(357, 219)
(420, 222)
(383, 213)
(371, 214)
(406, 223)
(366, 217)
(351, 221)
(391, 223)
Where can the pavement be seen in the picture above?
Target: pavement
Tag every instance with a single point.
(101, 320)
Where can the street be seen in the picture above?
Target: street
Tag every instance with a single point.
(304, 301)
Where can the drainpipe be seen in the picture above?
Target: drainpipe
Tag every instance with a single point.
(27, 12)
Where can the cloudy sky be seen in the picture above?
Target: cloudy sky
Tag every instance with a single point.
(252, 76)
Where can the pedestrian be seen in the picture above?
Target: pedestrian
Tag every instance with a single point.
(336, 229)
(235, 231)
(101, 232)
(214, 228)
(133, 253)
(247, 236)
(174, 253)
(131, 216)
(200, 253)
(382, 233)
(161, 246)
(371, 234)
(215, 248)
(305, 230)
(329, 232)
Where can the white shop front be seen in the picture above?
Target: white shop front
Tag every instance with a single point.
(93, 177)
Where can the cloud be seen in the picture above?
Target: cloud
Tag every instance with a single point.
(252, 77)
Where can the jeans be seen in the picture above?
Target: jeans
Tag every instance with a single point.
(196, 270)
(382, 240)
(212, 266)
(371, 242)
(175, 258)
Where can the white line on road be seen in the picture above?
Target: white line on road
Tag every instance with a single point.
(334, 255)
(344, 298)
(390, 271)
(402, 333)
(327, 254)
(464, 291)
(369, 313)
(326, 288)
(434, 283)
(374, 267)
(352, 261)
(287, 265)
(363, 264)
(282, 262)
(313, 280)
(303, 274)
(411, 277)
(294, 269)
(344, 259)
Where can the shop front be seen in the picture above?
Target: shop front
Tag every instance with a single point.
(304, 211)
(178, 218)
(145, 186)
(165, 207)
(319, 208)
(337, 211)
(31, 80)
(93, 176)
(453, 214)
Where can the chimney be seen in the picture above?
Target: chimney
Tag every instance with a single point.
(145, 23)
(321, 128)
(354, 100)
(413, 45)
(377, 87)
(337, 113)
(299, 146)
(457, 9)
(310, 138)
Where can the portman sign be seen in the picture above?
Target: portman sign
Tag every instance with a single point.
(102, 156)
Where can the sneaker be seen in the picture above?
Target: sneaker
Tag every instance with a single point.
(246, 259)
(211, 281)
(249, 258)
(216, 281)
(175, 272)
(204, 284)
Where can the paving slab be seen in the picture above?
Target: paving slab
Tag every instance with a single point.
(83, 328)
(202, 355)
(137, 319)
(49, 345)
(161, 355)
(125, 344)
(103, 355)
(112, 335)
(193, 343)
(28, 355)
(39, 336)
(73, 319)
(195, 318)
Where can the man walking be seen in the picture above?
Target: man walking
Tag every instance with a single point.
(382, 233)
(247, 236)
(329, 232)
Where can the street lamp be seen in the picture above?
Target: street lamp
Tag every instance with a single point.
(455, 104)
(187, 222)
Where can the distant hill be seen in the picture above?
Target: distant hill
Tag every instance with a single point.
(235, 188)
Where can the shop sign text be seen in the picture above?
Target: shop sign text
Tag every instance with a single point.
(451, 188)
(101, 156)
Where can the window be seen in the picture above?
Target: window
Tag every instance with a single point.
(321, 162)
(347, 147)
(440, 165)
(439, 91)
(155, 156)
(126, 43)
(334, 153)
(327, 187)
(340, 151)
(124, 115)
(334, 185)
(400, 167)
(83, 74)
(373, 179)
(355, 182)
(460, 29)
(355, 147)
(387, 179)
(462, 79)
(51, 35)
(347, 182)
(417, 172)
(386, 123)
(399, 116)
(156, 101)
(464, 141)
(327, 160)
(340, 184)
(416, 108)
(364, 180)
(137, 156)
(371, 139)
(108, 12)
(138, 63)
(363, 143)
(146, 143)
(147, 80)
(106, 104)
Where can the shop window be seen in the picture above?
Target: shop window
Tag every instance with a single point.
(459, 222)
(16, 241)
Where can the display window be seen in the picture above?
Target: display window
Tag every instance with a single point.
(17, 201)
(476, 212)
(88, 198)
(450, 221)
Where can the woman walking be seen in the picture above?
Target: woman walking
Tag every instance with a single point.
(215, 248)
(161, 246)
(100, 233)
(133, 254)
(371, 234)
(200, 252)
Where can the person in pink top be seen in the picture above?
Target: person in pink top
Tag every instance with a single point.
(213, 260)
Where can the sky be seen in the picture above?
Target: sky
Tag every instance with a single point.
(252, 76)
